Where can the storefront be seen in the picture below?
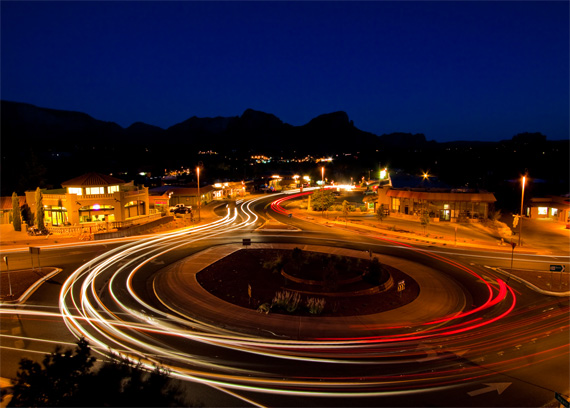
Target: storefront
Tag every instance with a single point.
(552, 207)
(92, 198)
(450, 205)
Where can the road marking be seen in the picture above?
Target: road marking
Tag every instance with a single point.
(499, 387)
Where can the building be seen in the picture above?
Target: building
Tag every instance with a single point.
(93, 198)
(172, 195)
(440, 204)
(6, 208)
(232, 189)
(552, 207)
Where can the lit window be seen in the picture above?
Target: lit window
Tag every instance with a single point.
(554, 212)
(112, 189)
(95, 190)
(542, 210)
(74, 190)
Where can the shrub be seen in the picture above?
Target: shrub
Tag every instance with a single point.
(275, 265)
(375, 272)
(315, 305)
(286, 300)
(264, 308)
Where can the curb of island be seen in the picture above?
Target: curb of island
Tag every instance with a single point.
(32, 288)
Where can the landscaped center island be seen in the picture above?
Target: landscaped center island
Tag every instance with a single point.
(304, 283)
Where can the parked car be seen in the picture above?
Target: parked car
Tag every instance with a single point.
(182, 210)
(36, 231)
(176, 207)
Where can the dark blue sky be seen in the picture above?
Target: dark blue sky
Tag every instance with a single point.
(451, 70)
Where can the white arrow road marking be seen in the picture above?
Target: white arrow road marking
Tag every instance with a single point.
(431, 354)
(155, 262)
(499, 387)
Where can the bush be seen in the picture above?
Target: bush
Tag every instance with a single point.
(362, 208)
(264, 308)
(275, 265)
(374, 274)
(315, 305)
(286, 300)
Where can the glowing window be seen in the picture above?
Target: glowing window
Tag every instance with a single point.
(542, 210)
(554, 211)
(74, 190)
(112, 189)
(95, 190)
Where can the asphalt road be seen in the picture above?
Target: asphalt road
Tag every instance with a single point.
(514, 339)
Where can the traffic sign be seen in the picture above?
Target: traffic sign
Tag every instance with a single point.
(557, 268)
(401, 285)
(246, 241)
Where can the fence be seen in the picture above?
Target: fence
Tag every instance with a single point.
(135, 230)
(95, 227)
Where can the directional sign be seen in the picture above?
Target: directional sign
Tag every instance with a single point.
(34, 250)
(246, 241)
(401, 285)
(557, 268)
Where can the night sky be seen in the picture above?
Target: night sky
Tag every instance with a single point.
(450, 70)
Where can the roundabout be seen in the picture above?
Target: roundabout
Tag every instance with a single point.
(178, 289)
(144, 301)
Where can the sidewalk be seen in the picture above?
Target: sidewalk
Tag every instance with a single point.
(10, 239)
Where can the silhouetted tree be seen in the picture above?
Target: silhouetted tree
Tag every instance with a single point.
(68, 379)
(16, 219)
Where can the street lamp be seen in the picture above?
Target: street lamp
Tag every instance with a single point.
(323, 176)
(520, 220)
(199, 198)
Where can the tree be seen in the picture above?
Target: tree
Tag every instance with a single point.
(16, 218)
(376, 273)
(345, 210)
(322, 200)
(424, 220)
(40, 210)
(68, 379)
(381, 213)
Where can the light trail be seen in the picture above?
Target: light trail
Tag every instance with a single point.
(100, 302)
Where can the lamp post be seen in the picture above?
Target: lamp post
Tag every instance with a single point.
(323, 176)
(199, 198)
(520, 220)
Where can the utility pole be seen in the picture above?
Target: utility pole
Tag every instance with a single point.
(520, 221)
(199, 197)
